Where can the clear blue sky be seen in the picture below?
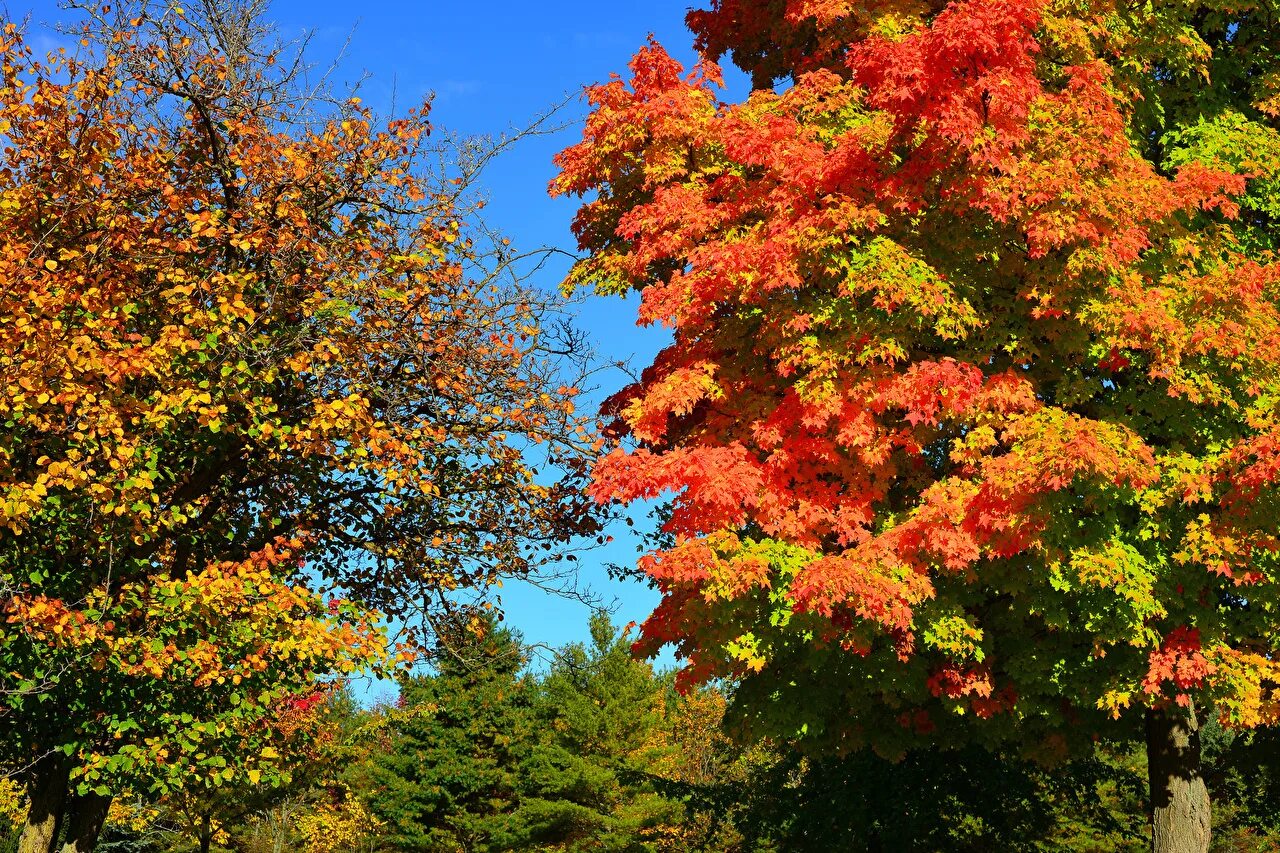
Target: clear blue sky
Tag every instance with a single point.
(495, 66)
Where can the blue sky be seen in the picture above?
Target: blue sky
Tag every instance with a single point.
(495, 66)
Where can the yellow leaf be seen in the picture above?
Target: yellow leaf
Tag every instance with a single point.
(51, 265)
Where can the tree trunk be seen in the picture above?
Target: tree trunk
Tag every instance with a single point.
(206, 834)
(1179, 798)
(47, 798)
(86, 813)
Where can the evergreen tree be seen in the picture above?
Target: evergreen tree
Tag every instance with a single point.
(450, 780)
(602, 713)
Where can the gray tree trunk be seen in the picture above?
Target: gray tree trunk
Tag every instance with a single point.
(1179, 798)
(47, 799)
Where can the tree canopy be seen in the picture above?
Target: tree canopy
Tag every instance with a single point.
(970, 410)
(968, 434)
(265, 385)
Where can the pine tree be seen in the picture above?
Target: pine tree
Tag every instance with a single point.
(451, 779)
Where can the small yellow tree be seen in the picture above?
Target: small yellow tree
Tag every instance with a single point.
(343, 827)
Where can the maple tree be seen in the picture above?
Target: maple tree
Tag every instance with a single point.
(260, 391)
(971, 407)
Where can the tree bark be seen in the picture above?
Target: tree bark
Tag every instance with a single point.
(206, 834)
(1179, 798)
(47, 799)
(86, 813)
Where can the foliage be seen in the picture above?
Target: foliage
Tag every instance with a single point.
(11, 806)
(967, 800)
(240, 643)
(304, 737)
(482, 757)
(450, 780)
(339, 828)
(1243, 769)
(12, 812)
(260, 391)
(970, 411)
(604, 718)
(603, 755)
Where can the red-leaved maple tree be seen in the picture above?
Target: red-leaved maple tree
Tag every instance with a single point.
(971, 418)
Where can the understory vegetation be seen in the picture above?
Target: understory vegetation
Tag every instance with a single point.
(593, 750)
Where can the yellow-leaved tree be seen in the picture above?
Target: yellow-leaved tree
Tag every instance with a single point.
(258, 391)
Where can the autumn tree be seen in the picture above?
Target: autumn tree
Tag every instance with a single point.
(970, 414)
(305, 743)
(259, 389)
